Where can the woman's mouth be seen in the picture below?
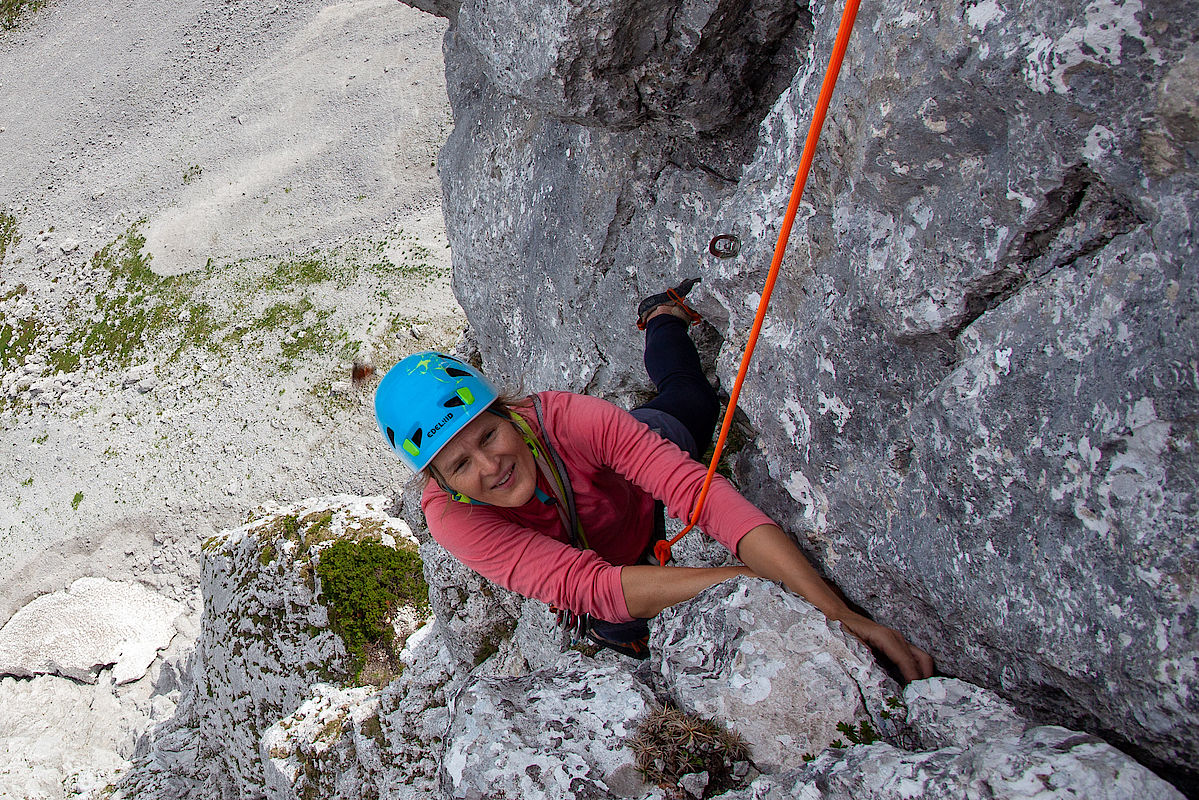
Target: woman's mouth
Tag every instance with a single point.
(506, 477)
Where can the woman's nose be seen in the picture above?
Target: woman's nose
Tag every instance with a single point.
(490, 462)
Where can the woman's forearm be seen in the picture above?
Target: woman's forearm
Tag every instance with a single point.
(649, 589)
(770, 553)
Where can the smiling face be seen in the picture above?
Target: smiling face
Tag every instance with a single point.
(489, 461)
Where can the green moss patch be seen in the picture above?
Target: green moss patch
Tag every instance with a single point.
(363, 584)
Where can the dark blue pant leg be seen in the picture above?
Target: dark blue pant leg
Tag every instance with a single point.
(683, 392)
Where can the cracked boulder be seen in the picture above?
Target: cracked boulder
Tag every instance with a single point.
(769, 666)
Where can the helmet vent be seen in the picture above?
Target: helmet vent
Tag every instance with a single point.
(454, 372)
(391, 437)
(412, 444)
(462, 397)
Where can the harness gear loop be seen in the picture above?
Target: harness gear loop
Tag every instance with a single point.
(662, 549)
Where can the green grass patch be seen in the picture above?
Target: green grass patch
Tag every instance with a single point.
(304, 271)
(16, 342)
(8, 225)
(11, 11)
(136, 308)
(362, 586)
(76, 500)
(288, 311)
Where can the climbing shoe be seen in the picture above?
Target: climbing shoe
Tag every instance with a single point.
(638, 648)
(669, 297)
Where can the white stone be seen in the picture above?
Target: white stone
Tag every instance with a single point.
(94, 624)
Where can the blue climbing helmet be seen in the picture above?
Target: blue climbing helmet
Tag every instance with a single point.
(424, 400)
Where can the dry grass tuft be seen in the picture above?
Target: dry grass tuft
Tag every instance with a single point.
(671, 744)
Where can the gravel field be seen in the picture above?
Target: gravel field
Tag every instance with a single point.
(208, 212)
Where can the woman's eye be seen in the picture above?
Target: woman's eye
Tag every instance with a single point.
(458, 467)
(487, 437)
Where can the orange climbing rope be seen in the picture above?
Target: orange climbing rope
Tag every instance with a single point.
(662, 549)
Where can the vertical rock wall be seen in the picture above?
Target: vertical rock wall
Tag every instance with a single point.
(975, 400)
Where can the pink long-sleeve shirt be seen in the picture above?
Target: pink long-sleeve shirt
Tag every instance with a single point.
(617, 466)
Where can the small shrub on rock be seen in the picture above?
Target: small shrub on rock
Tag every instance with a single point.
(363, 584)
(689, 755)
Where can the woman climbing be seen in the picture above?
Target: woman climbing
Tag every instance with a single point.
(553, 496)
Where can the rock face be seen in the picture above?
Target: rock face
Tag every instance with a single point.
(349, 744)
(975, 394)
(265, 640)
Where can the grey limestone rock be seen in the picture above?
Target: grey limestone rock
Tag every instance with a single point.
(975, 395)
(264, 641)
(320, 748)
(769, 666)
(475, 616)
(556, 733)
(347, 744)
(975, 745)
(944, 712)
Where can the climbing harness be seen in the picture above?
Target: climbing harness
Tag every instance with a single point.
(662, 549)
